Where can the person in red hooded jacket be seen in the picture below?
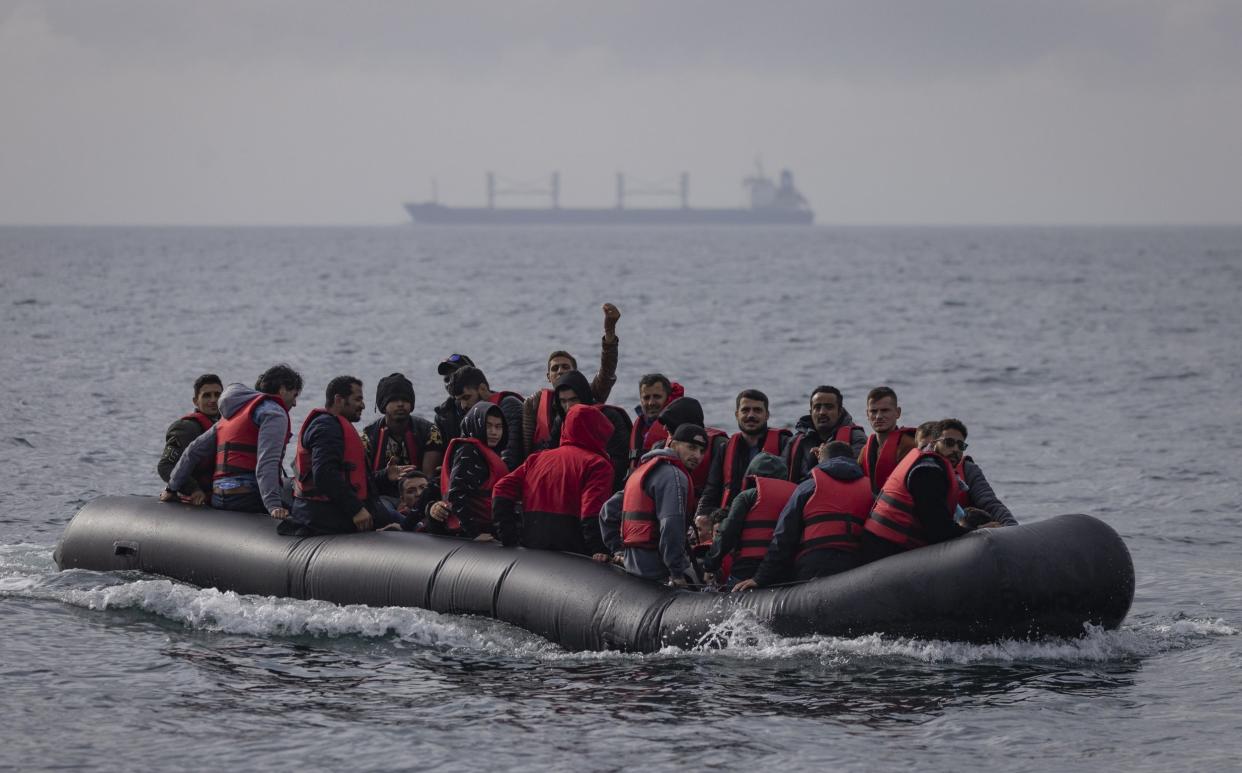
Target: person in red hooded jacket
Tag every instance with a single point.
(561, 490)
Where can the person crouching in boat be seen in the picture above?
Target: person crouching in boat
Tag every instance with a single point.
(335, 492)
(918, 502)
(182, 432)
(820, 528)
(747, 529)
(646, 522)
(471, 469)
(561, 490)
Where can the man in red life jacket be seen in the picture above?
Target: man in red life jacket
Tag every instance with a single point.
(413, 492)
(819, 531)
(728, 470)
(468, 386)
(471, 470)
(561, 490)
(888, 443)
(828, 420)
(183, 431)
(540, 409)
(572, 389)
(655, 391)
(399, 438)
(334, 492)
(248, 446)
(747, 529)
(977, 493)
(645, 524)
(918, 502)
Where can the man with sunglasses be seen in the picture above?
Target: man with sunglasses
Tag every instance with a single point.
(917, 503)
(978, 493)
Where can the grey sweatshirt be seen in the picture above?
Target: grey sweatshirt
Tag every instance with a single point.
(273, 422)
(983, 497)
(669, 489)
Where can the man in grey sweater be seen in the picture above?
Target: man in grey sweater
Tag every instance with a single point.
(645, 523)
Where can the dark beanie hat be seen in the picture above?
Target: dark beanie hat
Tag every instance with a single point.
(691, 433)
(683, 410)
(394, 386)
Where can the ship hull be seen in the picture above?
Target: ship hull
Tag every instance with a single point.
(438, 214)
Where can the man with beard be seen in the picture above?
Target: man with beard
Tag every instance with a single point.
(448, 414)
(827, 421)
(398, 438)
(888, 443)
(540, 409)
(655, 391)
(334, 490)
(728, 470)
(183, 431)
(918, 502)
(978, 493)
(646, 523)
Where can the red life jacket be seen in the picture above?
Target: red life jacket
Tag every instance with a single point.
(886, 460)
(237, 440)
(544, 414)
(760, 522)
(771, 444)
(698, 476)
(640, 528)
(480, 503)
(836, 514)
(892, 515)
(379, 445)
(495, 397)
(353, 463)
(844, 434)
(205, 470)
(963, 493)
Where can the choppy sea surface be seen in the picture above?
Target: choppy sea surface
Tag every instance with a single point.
(1098, 370)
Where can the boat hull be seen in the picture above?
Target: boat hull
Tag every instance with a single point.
(1050, 578)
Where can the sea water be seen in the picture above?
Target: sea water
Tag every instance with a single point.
(1097, 370)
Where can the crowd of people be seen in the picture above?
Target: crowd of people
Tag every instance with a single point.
(662, 494)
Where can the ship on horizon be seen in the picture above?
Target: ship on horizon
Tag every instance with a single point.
(771, 203)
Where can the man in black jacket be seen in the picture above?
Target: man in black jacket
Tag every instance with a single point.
(827, 421)
(468, 386)
(334, 492)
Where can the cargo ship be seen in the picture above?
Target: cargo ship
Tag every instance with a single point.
(771, 203)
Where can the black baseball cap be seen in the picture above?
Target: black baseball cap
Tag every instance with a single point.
(691, 433)
(452, 363)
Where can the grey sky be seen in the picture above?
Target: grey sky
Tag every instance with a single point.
(297, 111)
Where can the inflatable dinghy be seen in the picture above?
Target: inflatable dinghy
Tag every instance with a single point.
(1049, 578)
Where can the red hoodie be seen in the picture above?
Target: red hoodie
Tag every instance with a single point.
(562, 489)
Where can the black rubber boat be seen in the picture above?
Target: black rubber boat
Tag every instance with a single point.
(1049, 578)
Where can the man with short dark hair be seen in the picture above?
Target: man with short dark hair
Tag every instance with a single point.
(646, 522)
(334, 490)
(917, 504)
(540, 410)
(412, 499)
(399, 438)
(655, 391)
(828, 420)
(728, 470)
(561, 490)
(448, 414)
(468, 385)
(888, 443)
(977, 493)
(183, 431)
(248, 445)
(819, 531)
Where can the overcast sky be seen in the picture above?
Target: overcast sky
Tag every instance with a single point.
(924, 111)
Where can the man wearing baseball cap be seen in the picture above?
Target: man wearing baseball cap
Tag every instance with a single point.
(448, 413)
(646, 522)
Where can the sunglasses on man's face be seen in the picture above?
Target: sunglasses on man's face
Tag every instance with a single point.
(953, 442)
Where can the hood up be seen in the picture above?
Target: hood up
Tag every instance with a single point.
(586, 427)
(474, 423)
